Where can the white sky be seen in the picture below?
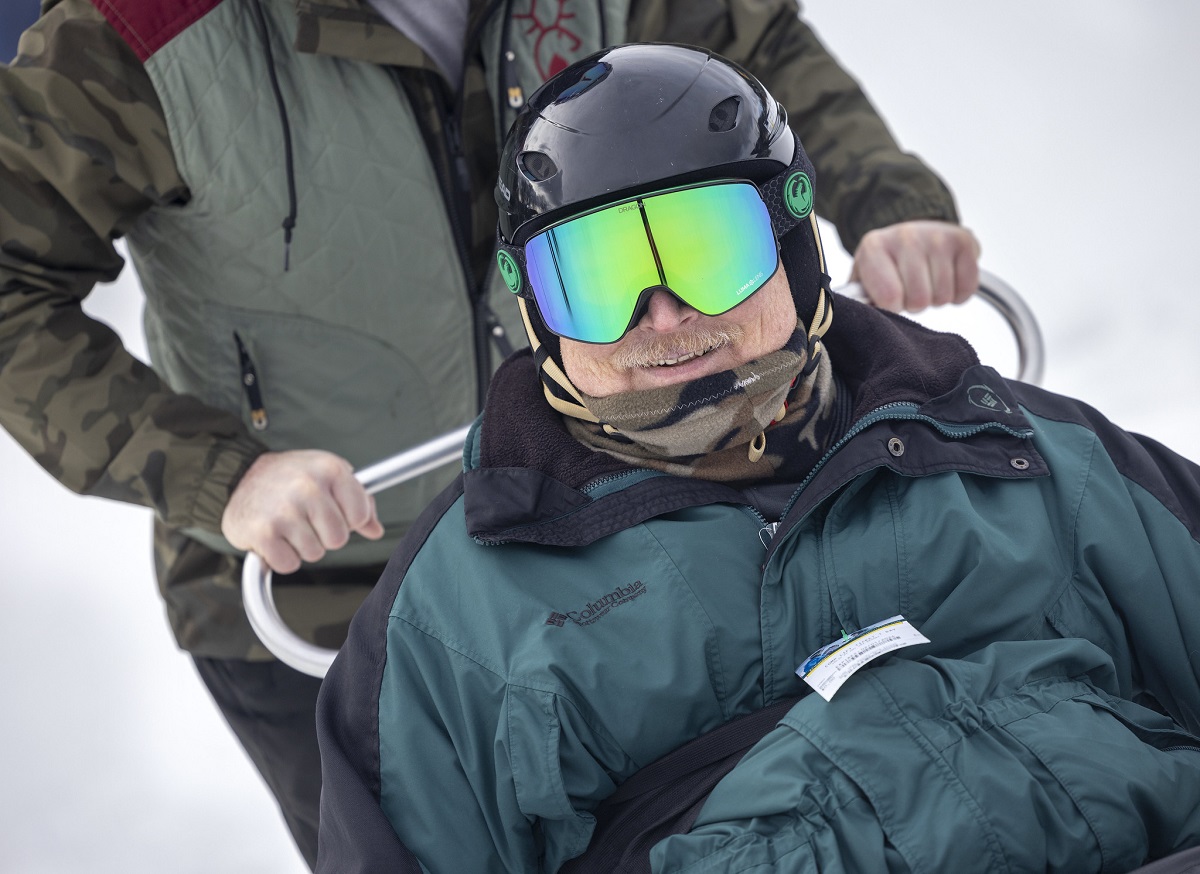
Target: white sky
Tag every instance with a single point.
(1069, 134)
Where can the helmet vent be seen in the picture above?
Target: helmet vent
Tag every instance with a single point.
(537, 166)
(724, 115)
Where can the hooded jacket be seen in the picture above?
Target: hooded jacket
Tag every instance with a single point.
(557, 620)
(196, 132)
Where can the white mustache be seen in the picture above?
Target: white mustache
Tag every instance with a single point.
(651, 350)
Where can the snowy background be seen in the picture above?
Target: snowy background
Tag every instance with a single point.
(1069, 134)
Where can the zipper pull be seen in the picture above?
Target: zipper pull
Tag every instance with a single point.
(258, 412)
(766, 533)
(516, 96)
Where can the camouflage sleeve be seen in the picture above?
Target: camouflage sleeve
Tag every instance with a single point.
(83, 151)
(864, 180)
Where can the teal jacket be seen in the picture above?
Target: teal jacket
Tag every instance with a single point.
(558, 620)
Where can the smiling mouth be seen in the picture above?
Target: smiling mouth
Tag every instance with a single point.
(688, 356)
(662, 350)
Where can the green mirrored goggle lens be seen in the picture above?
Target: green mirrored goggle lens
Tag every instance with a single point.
(587, 274)
(715, 244)
(712, 246)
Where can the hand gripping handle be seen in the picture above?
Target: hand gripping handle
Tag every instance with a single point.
(257, 596)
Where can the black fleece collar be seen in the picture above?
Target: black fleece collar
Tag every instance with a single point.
(535, 483)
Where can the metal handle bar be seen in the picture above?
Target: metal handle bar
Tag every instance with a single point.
(1031, 350)
(257, 596)
(314, 660)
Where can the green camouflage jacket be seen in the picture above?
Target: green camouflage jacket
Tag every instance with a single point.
(86, 157)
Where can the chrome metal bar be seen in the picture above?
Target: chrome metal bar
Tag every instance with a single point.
(1031, 348)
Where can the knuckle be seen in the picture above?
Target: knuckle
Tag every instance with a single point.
(282, 561)
(331, 467)
(312, 552)
(262, 535)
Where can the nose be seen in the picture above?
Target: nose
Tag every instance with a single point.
(665, 312)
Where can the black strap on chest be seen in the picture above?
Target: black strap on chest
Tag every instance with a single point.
(664, 798)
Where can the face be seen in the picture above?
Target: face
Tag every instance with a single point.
(674, 343)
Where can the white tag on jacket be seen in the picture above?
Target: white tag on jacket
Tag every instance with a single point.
(832, 665)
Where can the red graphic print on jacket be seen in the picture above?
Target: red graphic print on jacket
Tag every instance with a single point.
(555, 44)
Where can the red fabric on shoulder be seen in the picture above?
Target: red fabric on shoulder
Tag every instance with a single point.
(148, 25)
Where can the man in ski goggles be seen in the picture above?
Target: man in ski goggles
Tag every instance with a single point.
(711, 245)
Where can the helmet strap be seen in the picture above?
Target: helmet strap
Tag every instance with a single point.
(560, 393)
(822, 318)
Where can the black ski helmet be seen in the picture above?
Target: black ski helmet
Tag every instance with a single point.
(641, 117)
(629, 119)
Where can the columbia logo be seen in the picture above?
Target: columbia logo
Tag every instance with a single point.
(599, 608)
(982, 396)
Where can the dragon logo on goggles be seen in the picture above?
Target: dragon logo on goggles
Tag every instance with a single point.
(509, 272)
(798, 194)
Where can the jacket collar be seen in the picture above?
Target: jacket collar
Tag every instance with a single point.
(529, 480)
(351, 29)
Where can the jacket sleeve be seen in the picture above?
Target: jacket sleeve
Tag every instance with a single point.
(864, 180)
(1138, 560)
(414, 764)
(1134, 534)
(84, 151)
(431, 751)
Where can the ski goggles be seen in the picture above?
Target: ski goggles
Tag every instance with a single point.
(711, 245)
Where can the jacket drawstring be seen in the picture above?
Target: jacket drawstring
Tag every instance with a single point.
(289, 221)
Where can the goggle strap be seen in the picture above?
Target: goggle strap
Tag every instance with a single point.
(552, 373)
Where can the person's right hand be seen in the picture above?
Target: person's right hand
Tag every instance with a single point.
(297, 505)
(914, 264)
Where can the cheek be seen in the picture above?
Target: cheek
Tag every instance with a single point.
(783, 323)
(588, 371)
(777, 320)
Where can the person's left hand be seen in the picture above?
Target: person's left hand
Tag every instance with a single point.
(915, 264)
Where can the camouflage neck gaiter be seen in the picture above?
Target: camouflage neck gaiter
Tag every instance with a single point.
(769, 417)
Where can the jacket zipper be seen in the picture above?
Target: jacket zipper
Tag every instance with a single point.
(456, 192)
(766, 530)
(249, 379)
(494, 330)
(767, 533)
(455, 183)
(488, 328)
